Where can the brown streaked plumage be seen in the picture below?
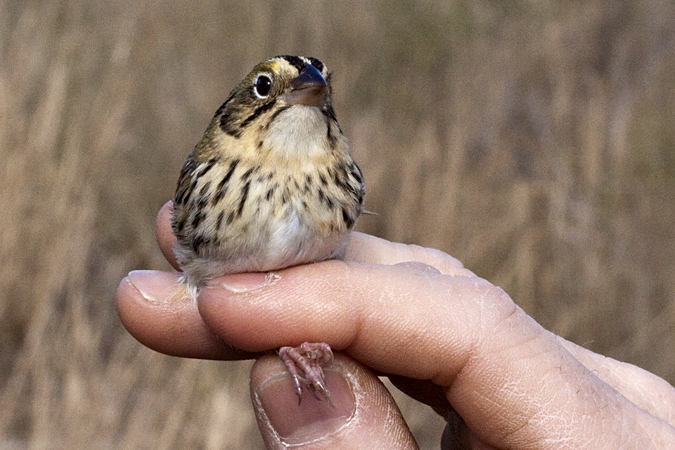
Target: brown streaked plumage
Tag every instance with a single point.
(270, 185)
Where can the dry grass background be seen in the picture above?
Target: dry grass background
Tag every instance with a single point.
(533, 140)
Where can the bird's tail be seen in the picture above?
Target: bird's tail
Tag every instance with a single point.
(184, 291)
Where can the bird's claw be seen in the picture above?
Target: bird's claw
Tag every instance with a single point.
(304, 363)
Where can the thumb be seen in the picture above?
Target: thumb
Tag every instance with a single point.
(364, 413)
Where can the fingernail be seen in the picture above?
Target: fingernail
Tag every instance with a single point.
(419, 266)
(245, 282)
(156, 286)
(312, 419)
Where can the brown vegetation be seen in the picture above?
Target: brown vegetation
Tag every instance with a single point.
(535, 141)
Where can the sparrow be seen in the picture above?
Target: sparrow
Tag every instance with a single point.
(270, 185)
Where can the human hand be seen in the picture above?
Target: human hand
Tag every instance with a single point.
(445, 336)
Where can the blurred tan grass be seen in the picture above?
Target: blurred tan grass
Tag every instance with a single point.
(534, 141)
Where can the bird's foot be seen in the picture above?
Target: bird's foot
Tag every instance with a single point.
(304, 364)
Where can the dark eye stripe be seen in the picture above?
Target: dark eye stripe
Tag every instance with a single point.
(222, 107)
(228, 124)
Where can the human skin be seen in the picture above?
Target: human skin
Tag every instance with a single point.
(445, 336)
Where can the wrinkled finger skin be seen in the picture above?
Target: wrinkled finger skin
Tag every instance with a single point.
(417, 313)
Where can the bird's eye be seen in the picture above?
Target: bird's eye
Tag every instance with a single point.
(262, 85)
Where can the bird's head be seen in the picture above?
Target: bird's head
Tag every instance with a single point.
(279, 88)
(289, 80)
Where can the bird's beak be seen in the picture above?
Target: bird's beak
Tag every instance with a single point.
(308, 88)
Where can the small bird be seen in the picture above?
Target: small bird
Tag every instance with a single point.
(270, 185)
